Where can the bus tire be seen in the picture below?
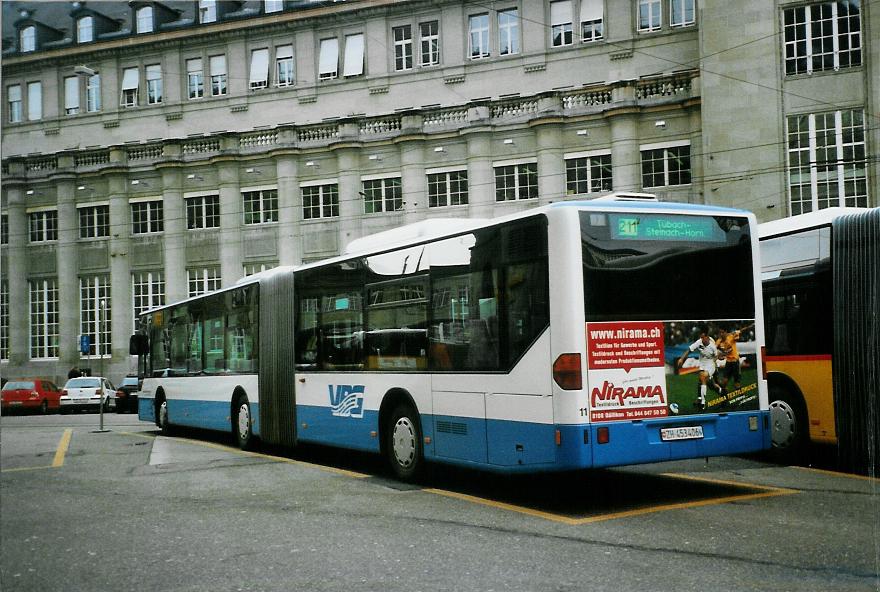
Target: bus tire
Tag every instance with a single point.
(242, 423)
(788, 424)
(404, 443)
(162, 418)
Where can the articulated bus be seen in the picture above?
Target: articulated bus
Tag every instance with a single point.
(547, 340)
(821, 276)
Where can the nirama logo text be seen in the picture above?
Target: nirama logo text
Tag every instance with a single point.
(347, 400)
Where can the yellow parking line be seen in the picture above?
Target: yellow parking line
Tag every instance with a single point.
(838, 474)
(62, 448)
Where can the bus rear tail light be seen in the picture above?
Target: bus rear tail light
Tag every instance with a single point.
(603, 436)
(764, 362)
(567, 372)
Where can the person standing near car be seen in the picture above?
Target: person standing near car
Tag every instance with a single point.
(74, 373)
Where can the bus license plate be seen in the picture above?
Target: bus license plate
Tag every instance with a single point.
(685, 433)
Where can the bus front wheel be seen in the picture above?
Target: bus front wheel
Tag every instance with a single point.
(404, 444)
(788, 421)
(162, 417)
(242, 424)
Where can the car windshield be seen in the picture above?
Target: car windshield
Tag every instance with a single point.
(84, 382)
(14, 386)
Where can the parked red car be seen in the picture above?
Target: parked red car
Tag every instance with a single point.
(30, 394)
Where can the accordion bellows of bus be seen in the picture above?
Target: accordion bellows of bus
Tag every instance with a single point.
(580, 334)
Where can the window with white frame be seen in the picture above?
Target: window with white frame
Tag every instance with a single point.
(202, 280)
(682, 13)
(561, 23)
(320, 201)
(354, 55)
(145, 19)
(666, 165)
(382, 195)
(259, 69)
(44, 317)
(202, 211)
(478, 26)
(147, 291)
(218, 75)
(71, 95)
(85, 29)
(447, 188)
(4, 320)
(260, 206)
(403, 47)
(95, 313)
(827, 164)
(94, 221)
(587, 173)
(195, 81)
(516, 181)
(650, 15)
(147, 217)
(43, 226)
(14, 103)
(130, 83)
(207, 11)
(254, 268)
(154, 84)
(508, 31)
(429, 43)
(93, 94)
(592, 20)
(328, 60)
(28, 39)
(35, 101)
(284, 66)
(273, 6)
(825, 36)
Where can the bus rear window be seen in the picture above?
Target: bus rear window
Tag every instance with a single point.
(666, 266)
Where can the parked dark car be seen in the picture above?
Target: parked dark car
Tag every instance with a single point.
(30, 394)
(126, 395)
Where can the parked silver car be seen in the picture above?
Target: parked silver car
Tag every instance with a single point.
(86, 392)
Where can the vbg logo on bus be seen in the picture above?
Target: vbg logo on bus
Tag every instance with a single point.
(347, 400)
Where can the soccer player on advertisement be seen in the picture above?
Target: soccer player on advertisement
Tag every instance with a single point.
(708, 354)
(727, 352)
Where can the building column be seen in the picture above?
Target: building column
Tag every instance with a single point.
(551, 166)
(289, 211)
(67, 266)
(350, 200)
(231, 220)
(481, 177)
(413, 185)
(174, 235)
(121, 304)
(17, 281)
(698, 187)
(626, 160)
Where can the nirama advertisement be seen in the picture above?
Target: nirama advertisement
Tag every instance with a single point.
(652, 369)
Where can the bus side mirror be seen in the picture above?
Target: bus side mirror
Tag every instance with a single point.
(137, 345)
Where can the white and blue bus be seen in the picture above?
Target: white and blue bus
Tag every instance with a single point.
(546, 340)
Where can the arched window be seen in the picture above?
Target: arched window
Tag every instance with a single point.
(28, 39)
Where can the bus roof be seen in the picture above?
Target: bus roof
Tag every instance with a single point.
(800, 222)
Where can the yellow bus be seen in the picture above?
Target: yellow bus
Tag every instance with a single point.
(821, 288)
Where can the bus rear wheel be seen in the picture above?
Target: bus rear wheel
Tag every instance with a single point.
(788, 422)
(242, 424)
(404, 443)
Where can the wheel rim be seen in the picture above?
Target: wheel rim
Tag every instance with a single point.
(44, 407)
(163, 415)
(404, 442)
(784, 423)
(244, 421)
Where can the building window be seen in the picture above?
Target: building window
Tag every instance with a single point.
(218, 75)
(429, 41)
(508, 31)
(35, 101)
(449, 188)
(202, 280)
(130, 83)
(93, 94)
(328, 66)
(259, 69)
(44, 318)
(28, 39)
(94, 221)
(382, 195)
(13, 98)
(666, 166)
(154, 84)
(320, 201)
(145, 19)
(260, 207)
(4, 320)
(516, 181)
(195, 82)
(827, 160)
(560, 23)
(592, 20)
(824, 36)
(587, 174)
(403, 47)
(273, 6)
(95, 313)
(85, 29)
(284, 72)
(147, 291)
(147, 217)
(649, 15)
(682, 13)
(207, 11)
(4, 229)
(479, 35)
(43, 226)
(254, 268)
(203, 212)
(354, 55)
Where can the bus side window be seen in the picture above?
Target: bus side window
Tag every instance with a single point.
(306, 349)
